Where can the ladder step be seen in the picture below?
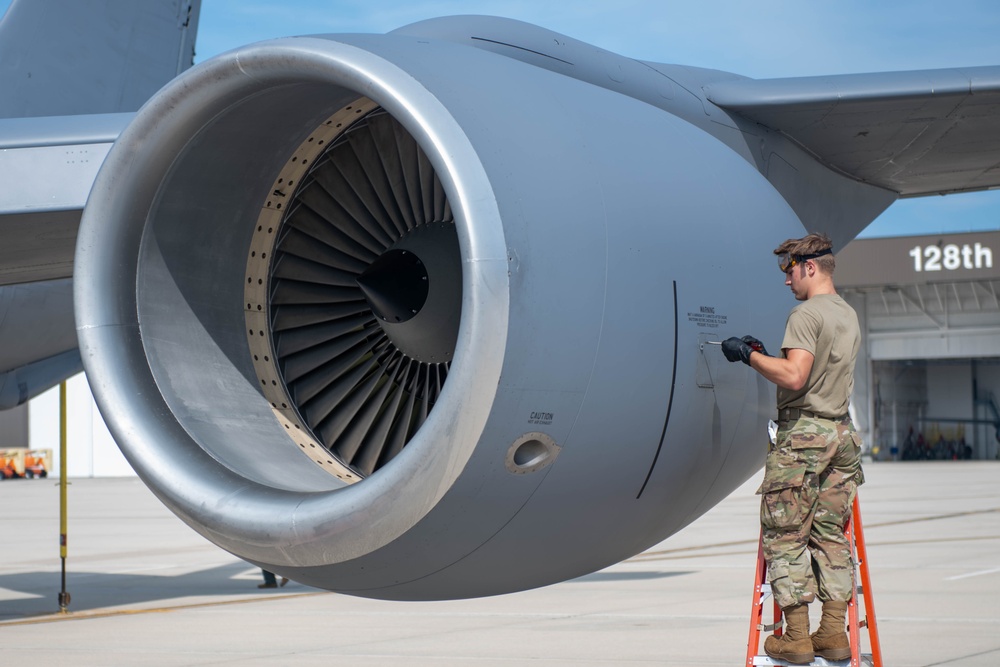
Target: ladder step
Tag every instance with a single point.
(866, 659)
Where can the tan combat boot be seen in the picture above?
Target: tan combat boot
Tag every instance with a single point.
(830, 640)
(794, 645)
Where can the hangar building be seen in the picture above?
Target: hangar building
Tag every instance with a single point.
(928, 376)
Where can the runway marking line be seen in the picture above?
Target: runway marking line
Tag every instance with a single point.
(972, 574)
(671, 554)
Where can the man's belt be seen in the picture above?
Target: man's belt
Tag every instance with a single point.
(791, 414)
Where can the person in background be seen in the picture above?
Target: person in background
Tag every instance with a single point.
(270, 581)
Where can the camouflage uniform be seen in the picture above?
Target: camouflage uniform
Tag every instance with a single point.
(810, 479)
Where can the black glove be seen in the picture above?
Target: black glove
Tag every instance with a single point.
(739, 349)
(755, 345)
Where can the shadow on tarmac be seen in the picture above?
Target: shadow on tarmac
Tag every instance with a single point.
(626, 576)
(37, 593)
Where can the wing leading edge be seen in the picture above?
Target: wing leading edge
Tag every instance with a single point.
(916, 133)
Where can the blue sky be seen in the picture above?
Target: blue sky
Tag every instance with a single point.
(762, 39)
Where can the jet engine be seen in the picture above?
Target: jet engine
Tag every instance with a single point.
(409, 319)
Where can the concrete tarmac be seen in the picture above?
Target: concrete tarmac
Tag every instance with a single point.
(148, 591)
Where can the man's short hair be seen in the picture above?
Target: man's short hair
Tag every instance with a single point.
(809, 245)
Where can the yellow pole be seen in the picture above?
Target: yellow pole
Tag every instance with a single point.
(63, 595)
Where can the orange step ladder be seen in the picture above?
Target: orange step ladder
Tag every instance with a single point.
(762, 590)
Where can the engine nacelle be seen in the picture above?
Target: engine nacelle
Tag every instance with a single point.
(407, 319)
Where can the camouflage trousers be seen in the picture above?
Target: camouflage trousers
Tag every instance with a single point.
(810, 480)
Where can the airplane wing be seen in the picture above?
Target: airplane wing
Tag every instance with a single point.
(69, 88)
(72, 76)
(48, 165)
(916, 133)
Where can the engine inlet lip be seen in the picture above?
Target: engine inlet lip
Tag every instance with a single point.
(108, 320)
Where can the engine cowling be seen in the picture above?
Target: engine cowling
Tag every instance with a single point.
(406, 319)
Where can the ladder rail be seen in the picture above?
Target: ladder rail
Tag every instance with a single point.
(757, 611)
(853, 630)
(861, 563)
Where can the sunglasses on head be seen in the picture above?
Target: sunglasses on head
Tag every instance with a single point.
(786, 261)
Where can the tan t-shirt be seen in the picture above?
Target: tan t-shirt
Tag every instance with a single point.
(826, 326)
